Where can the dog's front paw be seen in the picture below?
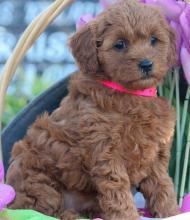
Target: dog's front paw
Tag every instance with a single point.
(69, 214)
(126, 216)
(167, 212)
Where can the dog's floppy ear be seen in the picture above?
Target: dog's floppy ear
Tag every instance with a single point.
(172, 53)
(84, 49)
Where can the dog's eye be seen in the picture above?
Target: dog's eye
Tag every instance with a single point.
(120, 45)
(153, 40)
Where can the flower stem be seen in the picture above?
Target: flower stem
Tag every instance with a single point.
(184, 113)
(178, 142)
(185, 166)
(172, 88)
(160, 90)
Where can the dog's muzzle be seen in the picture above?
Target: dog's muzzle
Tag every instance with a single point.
(146, 67)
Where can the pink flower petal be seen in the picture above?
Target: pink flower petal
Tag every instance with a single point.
(176, 26)
(84, 20)
(171, 8)
(185, 24)
(186, 204)
(150, 1)
(7, 195)
(107, 3)
(185, 61)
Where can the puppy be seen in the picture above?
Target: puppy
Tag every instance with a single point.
(83, 159)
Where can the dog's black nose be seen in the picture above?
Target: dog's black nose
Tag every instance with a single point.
(146, 66)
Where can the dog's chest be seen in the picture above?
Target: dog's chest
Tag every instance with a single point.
(147, 130)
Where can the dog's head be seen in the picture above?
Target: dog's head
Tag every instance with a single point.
(130, 43)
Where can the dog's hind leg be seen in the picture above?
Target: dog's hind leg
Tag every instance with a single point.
(38, 191)
(41, 196)
(34, 190)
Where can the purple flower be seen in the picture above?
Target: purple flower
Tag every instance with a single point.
(178, 30)
(185, 61)
(107, 3)
(84, 20)
(185, 24)
(186, 204)
(7, 193)
(171, 8)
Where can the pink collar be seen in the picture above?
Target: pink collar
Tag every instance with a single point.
(150, 92)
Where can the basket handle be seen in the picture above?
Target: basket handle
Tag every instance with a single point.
(30, 35)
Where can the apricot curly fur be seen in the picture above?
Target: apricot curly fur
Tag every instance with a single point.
(84, 158)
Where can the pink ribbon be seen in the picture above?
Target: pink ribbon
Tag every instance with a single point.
(178, 15)
(150, 92)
